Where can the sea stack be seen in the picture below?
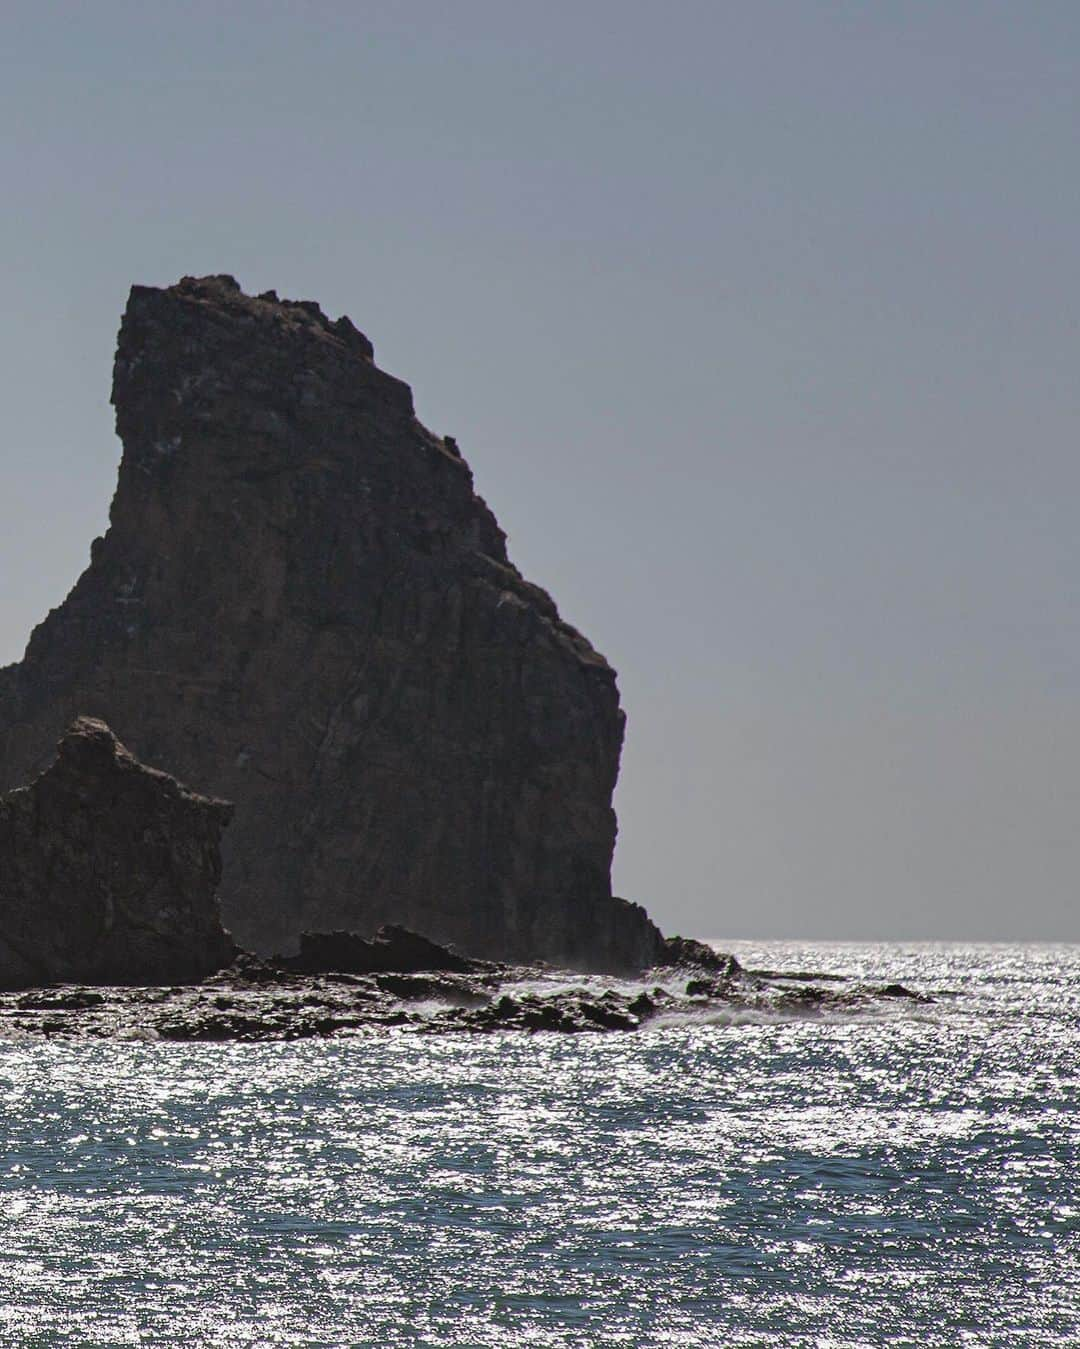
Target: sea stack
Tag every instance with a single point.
(301, 605)
(109, 872)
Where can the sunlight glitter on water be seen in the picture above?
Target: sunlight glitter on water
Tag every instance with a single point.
(910, 1180)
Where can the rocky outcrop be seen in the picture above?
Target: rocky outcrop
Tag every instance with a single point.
(302, 606)
(688, 953)
(393, 950)
(109, 872)
(254, 1000)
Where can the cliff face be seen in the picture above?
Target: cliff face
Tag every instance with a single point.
(109, 872)
(302, 606)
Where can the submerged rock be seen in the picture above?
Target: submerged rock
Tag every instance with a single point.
(108, 874)
(302, 605)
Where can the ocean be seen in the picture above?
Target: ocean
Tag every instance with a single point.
(906, 1176)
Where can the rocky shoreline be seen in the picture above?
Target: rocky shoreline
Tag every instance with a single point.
(254, 1001)
(304, 610)
(111, 930)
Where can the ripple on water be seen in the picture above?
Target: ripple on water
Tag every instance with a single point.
(909, 1180)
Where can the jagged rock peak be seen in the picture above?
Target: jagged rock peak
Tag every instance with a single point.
(302, 605)
(109, 871)
(225, 292)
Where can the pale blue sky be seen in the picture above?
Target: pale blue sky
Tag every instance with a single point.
(758, 324)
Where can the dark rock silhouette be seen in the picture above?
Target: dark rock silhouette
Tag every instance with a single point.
(690, 953)
(393, 950)
(108, 873)
(301, 605)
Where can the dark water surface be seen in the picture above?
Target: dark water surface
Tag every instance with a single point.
(906, 1178)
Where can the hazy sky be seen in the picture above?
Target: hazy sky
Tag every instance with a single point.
(758, 323)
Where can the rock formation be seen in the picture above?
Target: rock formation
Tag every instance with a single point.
(255, 1000)
(393, 950)
(109, 872)
(302, 606)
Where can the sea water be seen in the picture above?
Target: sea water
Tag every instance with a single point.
(907, 1177)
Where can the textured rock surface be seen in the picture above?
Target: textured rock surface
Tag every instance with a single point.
(109, 872)
(302, 606)
(256, 1001)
